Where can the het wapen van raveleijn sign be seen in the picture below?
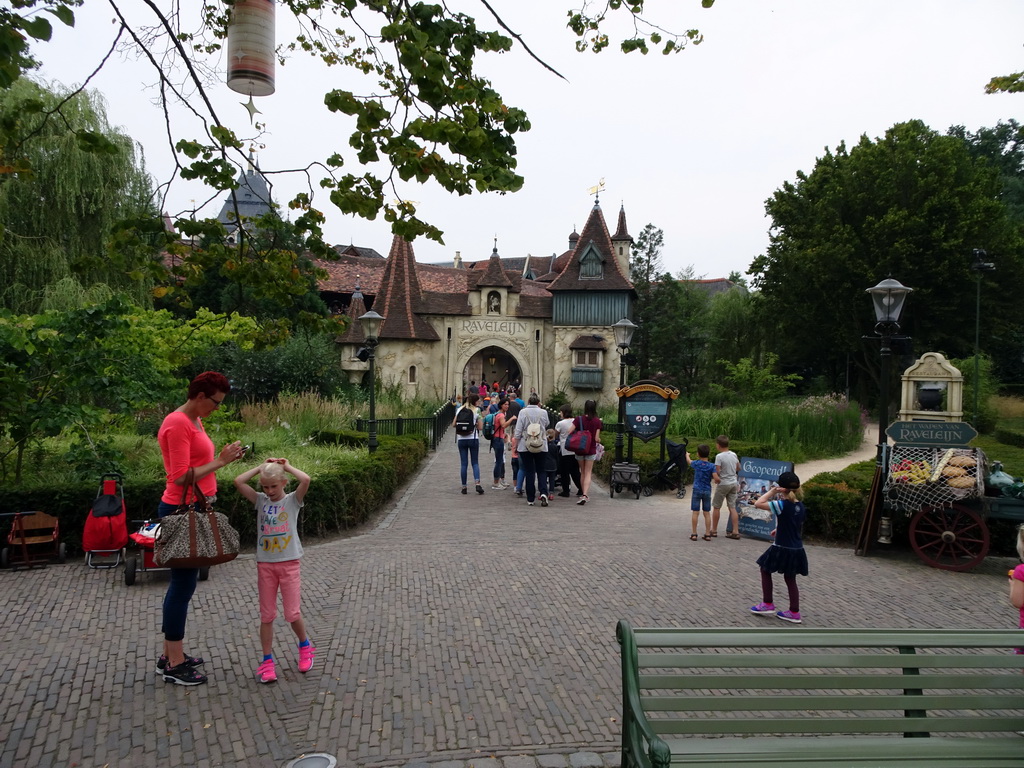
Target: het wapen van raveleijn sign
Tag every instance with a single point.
(647, 407)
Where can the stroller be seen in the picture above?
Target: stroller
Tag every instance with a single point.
(677, 462)
(106, 527)
(143, 557)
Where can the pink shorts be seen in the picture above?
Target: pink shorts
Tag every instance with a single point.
(286, 577)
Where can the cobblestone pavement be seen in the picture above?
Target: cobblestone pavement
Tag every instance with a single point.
(456, 632)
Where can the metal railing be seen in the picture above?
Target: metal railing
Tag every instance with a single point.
(433, 426)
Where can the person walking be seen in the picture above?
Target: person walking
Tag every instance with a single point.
(189, 459)
(532, 454)
(588, 422)
(568, 467)
(727, 484)
(278, 555)
(502, 425)
(468, 426)
(786, 555)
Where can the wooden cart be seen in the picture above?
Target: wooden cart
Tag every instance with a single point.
(34, 539)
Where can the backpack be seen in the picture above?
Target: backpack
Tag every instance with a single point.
(465, 422)
(489, 426)
(535, 442)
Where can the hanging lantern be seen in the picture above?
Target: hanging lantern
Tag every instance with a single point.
(251, 48)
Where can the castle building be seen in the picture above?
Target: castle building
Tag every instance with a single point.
(541, 322)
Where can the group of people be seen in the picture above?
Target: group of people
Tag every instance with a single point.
(190, 460)
(539, 451)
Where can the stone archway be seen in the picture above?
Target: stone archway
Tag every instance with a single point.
(491, 363)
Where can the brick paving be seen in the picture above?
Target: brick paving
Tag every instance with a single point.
(455, 632)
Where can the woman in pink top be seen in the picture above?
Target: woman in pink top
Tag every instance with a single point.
(185, 445)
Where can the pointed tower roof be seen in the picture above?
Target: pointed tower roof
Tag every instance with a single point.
(494, 275)
(594, 236)
(621, 233)
(356, 309)
(252, 196)
(399, 298)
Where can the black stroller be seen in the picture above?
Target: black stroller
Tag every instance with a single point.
(676, 463)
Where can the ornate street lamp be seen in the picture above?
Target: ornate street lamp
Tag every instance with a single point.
(888, 297)
(371, 323)
(623, 330)
(979, 266)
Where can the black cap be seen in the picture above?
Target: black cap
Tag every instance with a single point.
(789, 481)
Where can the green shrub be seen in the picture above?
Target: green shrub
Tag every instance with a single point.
(1009, 437)
(836, 502)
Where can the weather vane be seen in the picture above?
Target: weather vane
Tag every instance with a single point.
(596, 190)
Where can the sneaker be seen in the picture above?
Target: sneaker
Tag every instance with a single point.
(306, 653)
(497, 487)
(543, 500)
(183, 674)
(564, 495)
(793, 618)
(519, 491)
(764, 609)
(529, 503)
(464, 490)
(265, 672)
(504, 484)
(479, 489)
(191, 661)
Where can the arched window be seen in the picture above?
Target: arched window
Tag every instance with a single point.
(494, 303)
(412, 374)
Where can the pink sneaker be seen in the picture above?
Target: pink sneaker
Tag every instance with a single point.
(306, 653)
(265, 673)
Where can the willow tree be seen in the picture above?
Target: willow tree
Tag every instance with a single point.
(61, 210)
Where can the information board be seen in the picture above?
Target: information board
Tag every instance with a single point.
(646, 408)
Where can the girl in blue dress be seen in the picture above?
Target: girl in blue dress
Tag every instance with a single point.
(786, 555)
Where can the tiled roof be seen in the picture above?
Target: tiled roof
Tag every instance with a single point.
(252, 196)
(621, 233)
(357, 250)
(399, 298)
(595, 232)
(356, 309)
(715, 285)
(588, 341)
(494, 275)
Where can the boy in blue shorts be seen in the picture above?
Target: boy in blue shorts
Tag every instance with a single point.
(700, 494)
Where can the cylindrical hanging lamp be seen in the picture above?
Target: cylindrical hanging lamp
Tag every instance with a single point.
(251, 47)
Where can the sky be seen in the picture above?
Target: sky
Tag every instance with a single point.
(692, 143)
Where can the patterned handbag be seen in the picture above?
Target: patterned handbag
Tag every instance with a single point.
(195, 536)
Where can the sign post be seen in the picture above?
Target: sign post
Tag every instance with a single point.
(648, 406)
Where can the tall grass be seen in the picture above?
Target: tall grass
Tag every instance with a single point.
(1008, 407)
(817, 427)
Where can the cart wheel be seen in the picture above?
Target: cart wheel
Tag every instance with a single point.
(129, 571)
(636, 490)
(5, 558)
(204, 574)
(62, 552)
(612, 489)
(648, 491)
(953, 538)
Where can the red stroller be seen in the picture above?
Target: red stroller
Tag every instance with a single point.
(106, 527)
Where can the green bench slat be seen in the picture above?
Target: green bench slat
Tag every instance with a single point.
(854, 703)
(827, 725)
(815, 681)
(1004, 660)
(999, 752)
(804, 637)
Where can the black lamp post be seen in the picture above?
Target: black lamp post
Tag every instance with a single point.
(888, 297)
(371, 323)
(623, 331)
(979, 266)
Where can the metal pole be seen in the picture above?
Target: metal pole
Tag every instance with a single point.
(622, 417)
(883, 405)
(372, 441)
(977, 344)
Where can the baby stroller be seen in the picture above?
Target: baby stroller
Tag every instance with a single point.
(677, 462)
(106, 527)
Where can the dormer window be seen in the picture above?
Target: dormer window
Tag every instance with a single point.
(591, 265)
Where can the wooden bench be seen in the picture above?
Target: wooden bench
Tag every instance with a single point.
(821, 698)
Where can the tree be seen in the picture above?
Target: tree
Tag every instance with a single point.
(58, 216)
(911, 205)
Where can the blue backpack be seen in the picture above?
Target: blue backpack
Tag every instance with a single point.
(489, 426)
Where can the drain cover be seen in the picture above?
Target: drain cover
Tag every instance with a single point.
(314, 760)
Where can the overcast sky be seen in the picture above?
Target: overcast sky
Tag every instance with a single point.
(692, 143)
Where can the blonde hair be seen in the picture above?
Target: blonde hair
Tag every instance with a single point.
(272, 472)
(795, 494)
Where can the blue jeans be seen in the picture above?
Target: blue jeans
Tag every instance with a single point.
(498, 444)
(469, 450)
(179, 592)
(698, 498)
(533, 465)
